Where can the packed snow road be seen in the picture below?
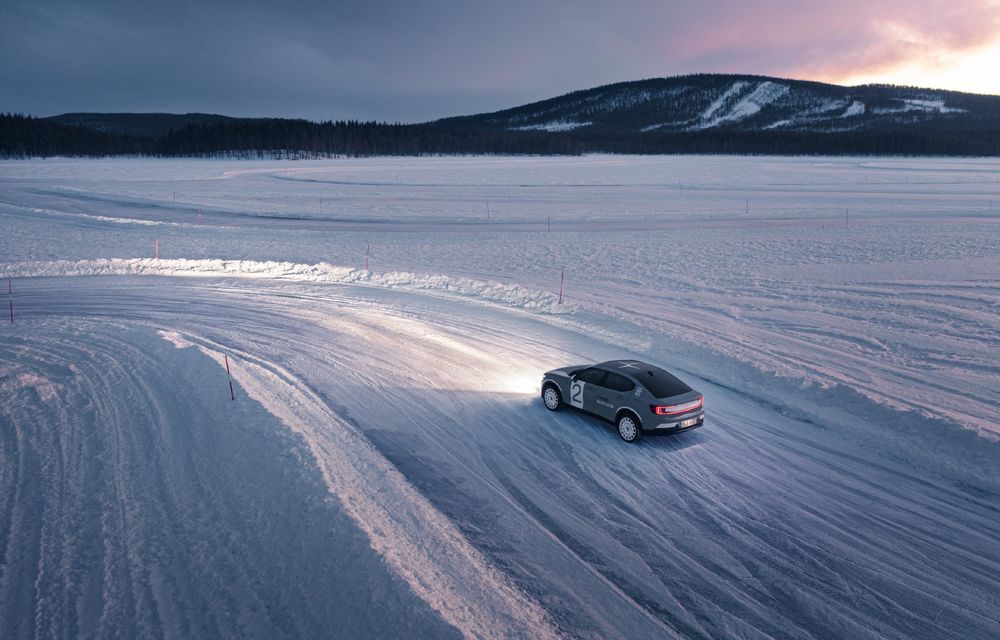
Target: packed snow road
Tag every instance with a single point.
(873, 275)
(387, 469)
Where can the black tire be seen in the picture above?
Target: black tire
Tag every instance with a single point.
(629, 428)
(551, 397)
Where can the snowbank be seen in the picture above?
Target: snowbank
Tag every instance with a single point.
(494, 292)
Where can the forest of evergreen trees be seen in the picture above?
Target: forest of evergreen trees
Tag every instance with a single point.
(25, 136)
(872, 142)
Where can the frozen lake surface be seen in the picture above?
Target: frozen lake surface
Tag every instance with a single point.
(387, 468)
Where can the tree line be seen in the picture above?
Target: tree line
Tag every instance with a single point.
(24, 136)
(864, 142)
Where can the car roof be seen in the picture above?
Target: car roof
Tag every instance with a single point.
(627, 367)
(660, 383)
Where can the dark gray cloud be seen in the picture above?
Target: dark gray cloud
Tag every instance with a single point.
(413, 61)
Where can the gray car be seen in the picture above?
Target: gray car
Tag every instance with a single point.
(635, 396)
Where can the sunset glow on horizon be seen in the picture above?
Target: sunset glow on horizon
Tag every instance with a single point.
(934, 44)
(975, 71)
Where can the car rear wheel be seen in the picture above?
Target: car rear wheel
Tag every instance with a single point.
(628, 428)
(551, 398)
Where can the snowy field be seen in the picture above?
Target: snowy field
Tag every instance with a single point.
(387, 469)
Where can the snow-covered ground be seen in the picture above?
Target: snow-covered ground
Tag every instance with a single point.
(387, 468)
(556, 125)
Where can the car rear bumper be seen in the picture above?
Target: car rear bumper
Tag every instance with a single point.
(685, 422)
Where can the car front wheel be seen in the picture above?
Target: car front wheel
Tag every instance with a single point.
(551, 398)
(628, 428)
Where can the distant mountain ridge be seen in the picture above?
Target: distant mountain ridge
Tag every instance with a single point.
(694, 114)
(703, 102)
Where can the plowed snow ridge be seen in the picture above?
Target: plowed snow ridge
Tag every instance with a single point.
(420, 544)
(506, 294)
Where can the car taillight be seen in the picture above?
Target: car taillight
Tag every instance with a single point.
(674, 409)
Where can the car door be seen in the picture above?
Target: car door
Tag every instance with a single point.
(584, 387)
(614, 393)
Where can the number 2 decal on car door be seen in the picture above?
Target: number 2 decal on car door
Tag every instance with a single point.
(576, 394)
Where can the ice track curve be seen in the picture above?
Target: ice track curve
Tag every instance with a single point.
(418, 416)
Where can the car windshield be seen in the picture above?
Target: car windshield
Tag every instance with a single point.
(661, 384)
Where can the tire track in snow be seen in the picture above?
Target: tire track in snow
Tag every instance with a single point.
(127, 513)
(756, 526)
(421, 545)
(242, 316)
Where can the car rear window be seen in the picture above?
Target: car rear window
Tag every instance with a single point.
(661, 384)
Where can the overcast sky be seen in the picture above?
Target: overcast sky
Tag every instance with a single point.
(417, 60)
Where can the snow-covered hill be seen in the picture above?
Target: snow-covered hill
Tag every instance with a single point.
(745, 103)
(694, 114)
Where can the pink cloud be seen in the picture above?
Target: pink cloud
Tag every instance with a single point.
(830, 41)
